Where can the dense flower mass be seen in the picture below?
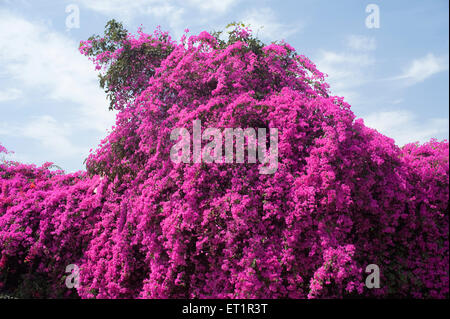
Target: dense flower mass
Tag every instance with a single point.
(141, 226)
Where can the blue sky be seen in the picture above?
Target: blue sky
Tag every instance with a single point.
(52, 109)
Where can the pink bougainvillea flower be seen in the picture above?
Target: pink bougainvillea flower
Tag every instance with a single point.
(141, 226)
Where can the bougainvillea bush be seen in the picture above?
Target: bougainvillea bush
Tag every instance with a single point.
(139, 225)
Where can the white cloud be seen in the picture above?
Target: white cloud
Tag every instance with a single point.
(120, 8)
(173, 15)
(174, 12)
(10, 94)
(421, 69)
(397, 101)
(54, 137)
(218, 6)
(126, 11)
(361, 43)
(16, 2)
(264, 22)
(130, 9)
(350, 68)
(343, 65)
(405, 127)
(48, 67)
(42, 59)
(346, 71)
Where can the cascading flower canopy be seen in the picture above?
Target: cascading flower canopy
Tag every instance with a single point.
(139, 225)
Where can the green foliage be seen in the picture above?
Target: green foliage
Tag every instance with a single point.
(254, 44)
(126, 67)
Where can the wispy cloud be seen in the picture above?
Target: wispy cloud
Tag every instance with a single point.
(174, 12)
(218, 6)
(405, 127)
(47, 65)
(350, 68)
(361, 43)
(267, 25)
(10, 94)
(126, 11)
(346, 71)
(42, 59)
(131, 9)
(53, 136)
(421, 69)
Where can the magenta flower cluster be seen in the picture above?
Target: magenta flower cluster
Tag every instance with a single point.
(141, 226)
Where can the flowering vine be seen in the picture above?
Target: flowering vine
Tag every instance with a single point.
(141, 226)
